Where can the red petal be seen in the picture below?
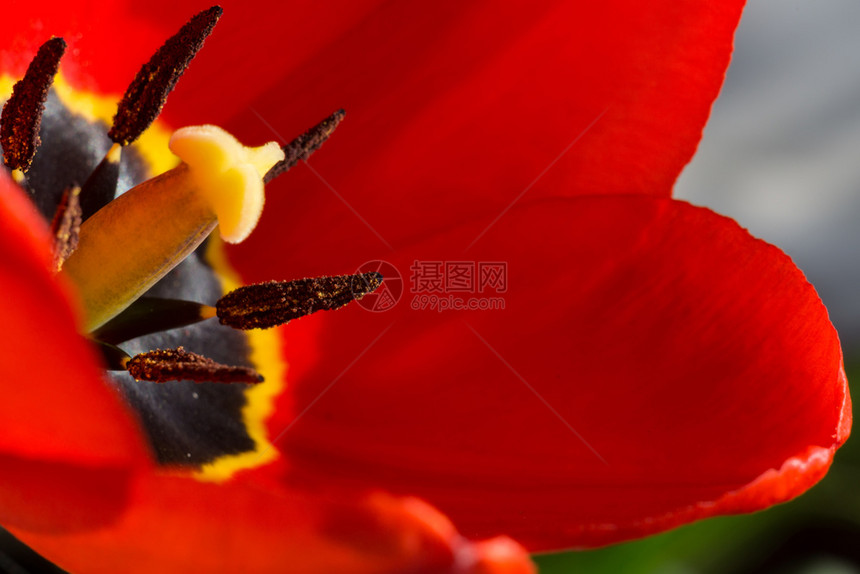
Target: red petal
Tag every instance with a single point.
(653, 364)
(66, 442)
(461, 107)
(179, 525)
(493, 81)
(456, 112)
(107, 41)
(449, 94)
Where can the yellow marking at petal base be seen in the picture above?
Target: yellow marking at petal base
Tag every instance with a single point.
(267, 359)
(7, 82)
(152, 145)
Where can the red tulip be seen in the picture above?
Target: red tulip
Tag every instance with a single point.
(653, 364)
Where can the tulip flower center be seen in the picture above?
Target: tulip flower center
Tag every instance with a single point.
(133, 241)
(132, 233)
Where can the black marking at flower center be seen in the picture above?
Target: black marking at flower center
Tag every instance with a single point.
(188, 424)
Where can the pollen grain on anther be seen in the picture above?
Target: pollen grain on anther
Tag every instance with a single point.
(66, 226)
(306, 144)
(22, 114)
(164, 365)
(266, 305)
(144, 98)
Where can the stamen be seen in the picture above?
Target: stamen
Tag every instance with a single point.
(100, 187)
(22, 114)
(147, 94)
(66, 226)
(266, 305)
(178, 364)
(306, 144)
(150, 315)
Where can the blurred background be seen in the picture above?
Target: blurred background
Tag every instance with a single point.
(781, 155)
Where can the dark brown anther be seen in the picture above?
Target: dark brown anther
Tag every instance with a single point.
(148, 92)
(178, 364)
(266, 305)
(22, 114)
(66, 226)
(306, 144)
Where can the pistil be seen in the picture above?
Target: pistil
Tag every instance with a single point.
(131, 243)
